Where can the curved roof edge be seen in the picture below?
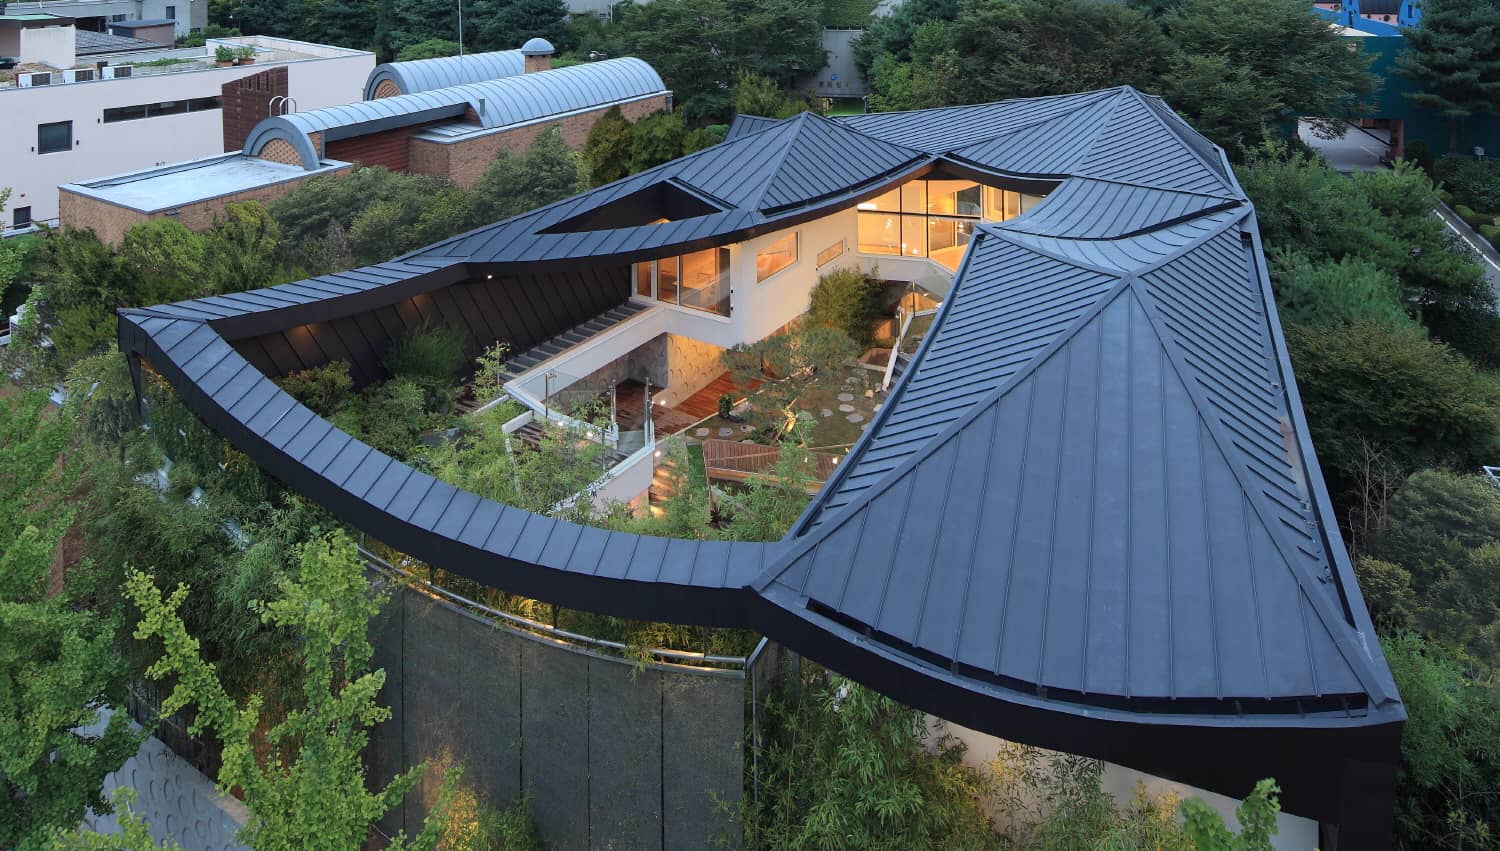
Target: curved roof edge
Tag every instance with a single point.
(420, 75)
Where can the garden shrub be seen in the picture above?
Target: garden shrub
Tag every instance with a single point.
(1330, 293)
(388, 416)
(1473, 182)
(1418, 152)
(322, 388)
(1474, 220)
(849, 300)
(431, 357)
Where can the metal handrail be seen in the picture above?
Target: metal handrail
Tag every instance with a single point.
(680, 657)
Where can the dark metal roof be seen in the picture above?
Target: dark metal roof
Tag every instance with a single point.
(1089, 517)
(86, 43)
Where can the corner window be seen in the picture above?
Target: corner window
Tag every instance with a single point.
(776, 256)
(55, 137)
(21, 217)
(699, 280)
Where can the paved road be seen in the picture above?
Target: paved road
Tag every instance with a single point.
(1478, 246)
(1357, 150)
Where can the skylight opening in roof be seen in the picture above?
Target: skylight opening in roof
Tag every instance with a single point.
(660, 202)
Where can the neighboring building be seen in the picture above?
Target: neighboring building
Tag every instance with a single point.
(1374, 27)
(1088, 517)
(87, 123)
(452, 132)
(97, 15)
(840, 77)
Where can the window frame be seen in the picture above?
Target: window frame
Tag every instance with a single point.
(42, 149)
(796, 254)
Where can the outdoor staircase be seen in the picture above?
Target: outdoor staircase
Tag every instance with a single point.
(903, 360)
(569, 338)
(532, 435)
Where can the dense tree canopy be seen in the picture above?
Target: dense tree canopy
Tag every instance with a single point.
(1237, 71)
(1455, 57)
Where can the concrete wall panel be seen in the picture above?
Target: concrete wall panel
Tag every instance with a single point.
(625, 752)
(555, 741)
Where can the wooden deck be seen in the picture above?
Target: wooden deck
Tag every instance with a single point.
(736, 462)
(705, 403)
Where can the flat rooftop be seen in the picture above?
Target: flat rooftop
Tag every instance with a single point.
(163, 188)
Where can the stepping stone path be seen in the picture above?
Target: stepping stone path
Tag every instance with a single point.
(848, 409)
(846, 397)
(726, 431)
(855, 418)
(746, 429)
(702, 432)
(825, 413)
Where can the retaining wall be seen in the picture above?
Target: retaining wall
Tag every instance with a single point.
(615, 755)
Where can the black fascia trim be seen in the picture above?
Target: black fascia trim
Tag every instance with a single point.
(1306, 754)
(253, 323)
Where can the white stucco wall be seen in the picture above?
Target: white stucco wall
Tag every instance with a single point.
(48, 45)
(100, 149)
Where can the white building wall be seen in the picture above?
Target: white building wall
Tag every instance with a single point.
(48, 45)
(101, 149)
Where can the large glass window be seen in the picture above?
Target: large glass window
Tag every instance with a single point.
(699, 280)
(54, 138)
(776, 256)
(934, 218)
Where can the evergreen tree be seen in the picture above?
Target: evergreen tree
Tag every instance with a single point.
(513, 184)
(757, 95)
(240, 249)
(346, 23)
(508, 24)
(400, 23)
(656, 139)
(606, 152)
(1455, 56)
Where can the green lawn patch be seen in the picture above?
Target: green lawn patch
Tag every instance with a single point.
(847, 14)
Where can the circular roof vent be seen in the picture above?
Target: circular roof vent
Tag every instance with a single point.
(537, 47)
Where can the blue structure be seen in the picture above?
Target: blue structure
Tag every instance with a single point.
(1089, 516)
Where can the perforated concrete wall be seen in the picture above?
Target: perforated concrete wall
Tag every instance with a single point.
(614, 755)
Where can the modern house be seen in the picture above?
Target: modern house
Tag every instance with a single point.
(84, 117)
(1088, 517)
(441, 117)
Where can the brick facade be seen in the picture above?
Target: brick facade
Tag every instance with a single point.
(110, 221)
(387, 89)
(463, 161)
(390, 148)
(280, 151)
(247, 101)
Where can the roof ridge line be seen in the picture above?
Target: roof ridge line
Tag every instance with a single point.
(949, 432)
(1009, 233)
(1134, 185)
(1081, 95)
(775, 169)
(1356, 659)
(1162, 123)
(1030, 125)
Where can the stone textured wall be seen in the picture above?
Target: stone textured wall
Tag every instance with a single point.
(691, 365)
(176, 800)
(614, 755)
(247, 101)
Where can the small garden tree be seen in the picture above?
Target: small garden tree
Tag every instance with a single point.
(309, 791)
(847, 300)
(805, 359)
(606, 151)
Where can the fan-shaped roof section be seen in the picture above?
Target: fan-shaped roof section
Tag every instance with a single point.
(421, 75)
(1109, 501)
